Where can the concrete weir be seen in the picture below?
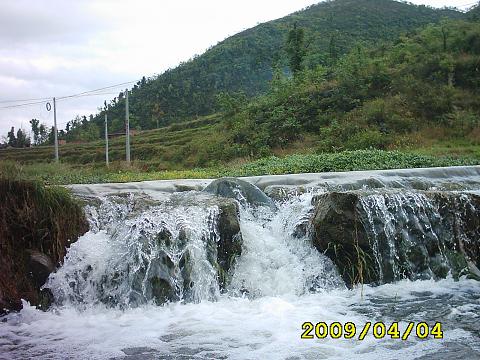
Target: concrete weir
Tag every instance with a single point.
(448, 178)
(376, 226)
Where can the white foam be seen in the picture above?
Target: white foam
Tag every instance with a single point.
(274, 261)
(237, 328)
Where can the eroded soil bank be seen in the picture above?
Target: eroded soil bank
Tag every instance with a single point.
(37, 225)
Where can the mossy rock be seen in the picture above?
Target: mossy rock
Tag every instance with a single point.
(229, 245)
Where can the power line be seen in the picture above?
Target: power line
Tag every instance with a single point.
(20, 105)
(94, 92)
(78, 96)
(23, 100)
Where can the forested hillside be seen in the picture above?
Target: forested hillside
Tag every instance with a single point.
(245, 62)
(474, 13)
(424, 86)
(419, 93)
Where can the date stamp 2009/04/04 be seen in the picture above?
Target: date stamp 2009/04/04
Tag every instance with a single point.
(379, 330)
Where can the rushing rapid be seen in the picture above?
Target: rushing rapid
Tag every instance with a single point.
(136, 241)
(194, 276)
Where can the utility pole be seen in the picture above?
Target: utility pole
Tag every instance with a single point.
(55, 129)
(106, 140)
(127, 127)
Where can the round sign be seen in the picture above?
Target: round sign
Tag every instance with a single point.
(48, 106)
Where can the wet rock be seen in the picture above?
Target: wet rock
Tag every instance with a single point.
(461, 215)
(164, 238)
(185, 187)
(283, 193)
(242, 191)
(380, 237)
(160, 273)
(336, 218)
(339, 233)
(162, 290)
(166, 266)
(223, 246)
(45, 299)
(229, 244)
(39, 266)
(186, 269)
(152, 279)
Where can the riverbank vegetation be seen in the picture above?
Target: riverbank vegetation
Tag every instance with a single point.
(37, 224)
(61, 174)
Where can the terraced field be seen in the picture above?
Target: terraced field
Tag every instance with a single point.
(170, 147)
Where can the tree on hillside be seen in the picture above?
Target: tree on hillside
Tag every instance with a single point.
(43, 134)
(51, 136)
(12, 140)
(332, 49)
(444, 36)
(40, 132)
(295, 48)
(22, 139)
(35, 130)
(231, 103)
(19, 141)
(474, 12)
(157, 112)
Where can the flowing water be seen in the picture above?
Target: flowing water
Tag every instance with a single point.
(107, 295)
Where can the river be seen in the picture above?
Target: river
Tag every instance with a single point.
(109, 304)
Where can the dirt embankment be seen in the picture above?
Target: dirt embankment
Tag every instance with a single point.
(37, 225)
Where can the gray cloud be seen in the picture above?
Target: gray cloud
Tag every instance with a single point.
(25, 21)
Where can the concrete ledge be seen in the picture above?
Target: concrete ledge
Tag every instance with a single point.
(422, 178)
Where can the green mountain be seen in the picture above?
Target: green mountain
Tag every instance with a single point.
(423, 86)
(245, 62)
(419, 93)
(474, 12)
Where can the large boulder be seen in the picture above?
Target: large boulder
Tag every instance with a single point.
(380, 237)
(240, 190)
(39, 267)
(223, 245)
(461, 215)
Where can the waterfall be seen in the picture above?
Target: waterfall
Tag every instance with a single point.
(279, 257)
(236, 275)
(141, 250)
(416, 235)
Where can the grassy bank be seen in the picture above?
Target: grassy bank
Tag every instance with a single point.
(51, 173)
(36, 222)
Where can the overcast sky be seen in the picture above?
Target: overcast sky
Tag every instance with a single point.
(60, 47)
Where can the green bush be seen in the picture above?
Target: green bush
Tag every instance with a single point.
(346, 161)
(368, 139)
(461, 123)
